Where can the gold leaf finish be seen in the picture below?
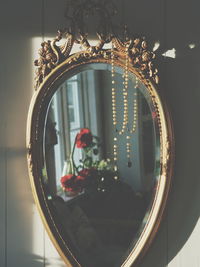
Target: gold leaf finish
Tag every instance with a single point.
(53, 64)
(51, 54)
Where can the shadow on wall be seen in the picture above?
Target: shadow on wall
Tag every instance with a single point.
(175, 25)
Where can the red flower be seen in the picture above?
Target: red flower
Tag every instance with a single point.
(67, 181)
(72, 183)
(84, 138)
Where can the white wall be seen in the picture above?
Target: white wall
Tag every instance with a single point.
(175, 24)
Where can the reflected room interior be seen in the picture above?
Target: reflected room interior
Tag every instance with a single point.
(101, 161)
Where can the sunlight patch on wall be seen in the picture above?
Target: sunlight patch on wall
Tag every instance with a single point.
(37, 226)
(38, 235)
(52, 258)
(156, 46)
(36, 45)
(170, 53)
(93, 42)
(191, 46)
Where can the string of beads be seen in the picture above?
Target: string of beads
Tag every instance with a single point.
(125, 123)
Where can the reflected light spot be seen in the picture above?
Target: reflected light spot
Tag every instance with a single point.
(191, 46)
(170, 53)
(156, 46)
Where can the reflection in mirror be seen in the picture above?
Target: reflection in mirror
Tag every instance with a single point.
(102, 162)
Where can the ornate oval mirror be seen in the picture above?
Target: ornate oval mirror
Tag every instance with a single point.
(100, 150)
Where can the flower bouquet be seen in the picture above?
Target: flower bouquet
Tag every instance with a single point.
(91, 175)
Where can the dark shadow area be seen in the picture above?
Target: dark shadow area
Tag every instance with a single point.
(178, 28)
(182, 87)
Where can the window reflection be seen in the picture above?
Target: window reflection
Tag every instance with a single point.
(107, 217)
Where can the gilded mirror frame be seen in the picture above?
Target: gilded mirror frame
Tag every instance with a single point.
(54, 64)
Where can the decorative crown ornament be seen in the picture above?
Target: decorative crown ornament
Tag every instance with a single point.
(51, 54)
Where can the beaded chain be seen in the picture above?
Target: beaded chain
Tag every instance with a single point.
(114, 111)
(134, 126)
(125, 95)
(125, 123)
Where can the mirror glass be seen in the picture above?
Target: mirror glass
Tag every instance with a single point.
(102, 162)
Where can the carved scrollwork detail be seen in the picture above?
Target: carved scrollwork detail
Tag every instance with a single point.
(29, 155)
(52, 54)
(168, 156)
(140, 56)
